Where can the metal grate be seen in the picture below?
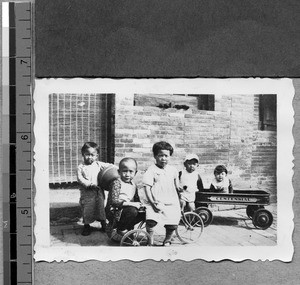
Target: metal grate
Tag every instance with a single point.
(75, 119)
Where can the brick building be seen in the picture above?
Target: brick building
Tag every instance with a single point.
(238, 131)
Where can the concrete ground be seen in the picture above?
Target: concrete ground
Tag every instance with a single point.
(230, 227)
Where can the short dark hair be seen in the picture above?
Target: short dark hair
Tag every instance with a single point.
(88, 145)
(220, 169)
(127, 159)
(157, 147)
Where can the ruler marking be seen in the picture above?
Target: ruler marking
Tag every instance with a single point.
(12, 100)
(13, 268)
(19, 79)
(20, 56)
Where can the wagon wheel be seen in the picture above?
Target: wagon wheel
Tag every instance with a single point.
(262, 219)
(250, 210)
(190, 228)
(205, 214)
(136, 237)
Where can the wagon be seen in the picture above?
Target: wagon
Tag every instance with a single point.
(254, 200)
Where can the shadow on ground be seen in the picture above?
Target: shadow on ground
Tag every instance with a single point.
(227, 221)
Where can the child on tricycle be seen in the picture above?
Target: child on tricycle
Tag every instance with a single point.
(161, 185)
(123, 205)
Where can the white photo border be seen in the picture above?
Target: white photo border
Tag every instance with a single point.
(285, 91)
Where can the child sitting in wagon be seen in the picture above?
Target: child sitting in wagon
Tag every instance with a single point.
(190, 182)
(221, 183)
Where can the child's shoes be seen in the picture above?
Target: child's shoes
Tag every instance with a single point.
(150, 231)
(103, 227)
(115, 236)
(167, 243)
(86, 230)
(121, 233)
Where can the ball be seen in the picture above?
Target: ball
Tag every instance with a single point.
(107, 175)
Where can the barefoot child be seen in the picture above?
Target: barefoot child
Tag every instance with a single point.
(161, 184)
(190, 182)
(123, 202)
(221, 183)
(91, 195)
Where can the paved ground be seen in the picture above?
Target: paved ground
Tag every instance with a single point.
(229, 227)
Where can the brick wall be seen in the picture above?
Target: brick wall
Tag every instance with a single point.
(229, 135)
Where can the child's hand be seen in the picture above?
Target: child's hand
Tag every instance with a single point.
(159, 207)
(94, 187)
(181, 189)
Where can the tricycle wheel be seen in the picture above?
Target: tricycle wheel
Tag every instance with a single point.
(136, 237)
(190, 228)
(205, 214)
(262, 219)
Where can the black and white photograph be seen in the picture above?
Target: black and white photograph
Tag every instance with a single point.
(163, 169)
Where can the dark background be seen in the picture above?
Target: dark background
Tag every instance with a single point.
(171, 39)
(167, 38)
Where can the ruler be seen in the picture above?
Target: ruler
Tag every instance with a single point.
(17, 147)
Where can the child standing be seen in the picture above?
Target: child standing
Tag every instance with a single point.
(190, 182)
(91, 195)
(123, 202)
(221, 183)
(161, 185)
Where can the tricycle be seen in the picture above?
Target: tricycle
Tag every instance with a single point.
(255, 200)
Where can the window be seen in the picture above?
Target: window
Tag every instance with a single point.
(177, 101)
(205, 102)
(267, 112)
(75, 119)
